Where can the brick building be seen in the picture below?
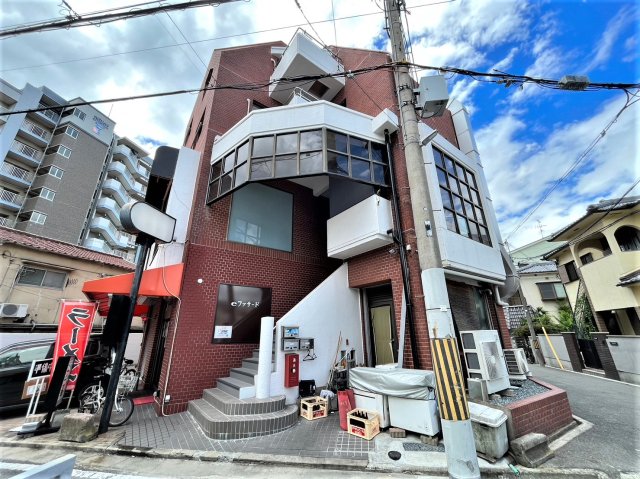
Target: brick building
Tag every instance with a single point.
(292, 217)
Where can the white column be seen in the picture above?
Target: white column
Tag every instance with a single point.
(263, 379)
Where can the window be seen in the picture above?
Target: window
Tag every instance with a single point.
(47, 194)
(551, 291)
(572, 273)
(198, 129)
(22, 354)
(586, 258)
(51, 170)
(299, 153)
(461, 199)
(37, 217)
(33, 276)
(262, 216)
(59, 149)
(80, 114)
(628, 238)
(71, 131)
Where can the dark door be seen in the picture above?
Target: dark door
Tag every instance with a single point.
(589, 353)
(384, 342)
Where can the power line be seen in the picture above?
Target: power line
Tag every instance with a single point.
(495, 78)
(100, 18)
(574, 165)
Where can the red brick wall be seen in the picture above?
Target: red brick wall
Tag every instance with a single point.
(544, 413)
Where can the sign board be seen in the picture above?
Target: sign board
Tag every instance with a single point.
(74, 328)
(38, 379)
(238, 313)
(138, 217)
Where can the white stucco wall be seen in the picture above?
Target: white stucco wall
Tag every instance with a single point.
(561, 349)
(328, 311)
(625, 351)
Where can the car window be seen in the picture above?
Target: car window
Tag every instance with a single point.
(22, 356)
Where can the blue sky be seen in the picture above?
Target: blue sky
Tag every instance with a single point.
(527, 138)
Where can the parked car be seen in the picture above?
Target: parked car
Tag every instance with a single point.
(15, 363)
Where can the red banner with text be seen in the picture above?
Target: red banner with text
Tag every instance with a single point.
(74, 328)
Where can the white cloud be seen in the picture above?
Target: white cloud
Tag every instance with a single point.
(605, 44)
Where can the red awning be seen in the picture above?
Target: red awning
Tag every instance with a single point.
(157, 282)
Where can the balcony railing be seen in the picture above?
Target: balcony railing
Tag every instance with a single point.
(4, 221)
(26, 150)
(16, 172)
(11, 197)
(36, 130)
(52, 115)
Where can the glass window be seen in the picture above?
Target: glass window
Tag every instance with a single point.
(446, 198)
(262, 146)
(572, 273)
(338, 164)
(242, 174)
(463, 226)
(286, 165)
(47, 194)
(336, 141)
(442, 177)
(311, 163)
(243, 153)
(359, 147)
(37, 217)
(262, 216)
(32, 276)
(551, 291)
(379, 152)
(287, 143)
(225, 183)
(80, 114)
(19, 356)
(261, 169)
(311, 140)
(229, 161)
(628, 238)
(361, 170)
(379, 174)
(450, 219)
(72, 132)
(437, 156)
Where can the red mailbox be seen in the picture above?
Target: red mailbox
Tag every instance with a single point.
(291, 370)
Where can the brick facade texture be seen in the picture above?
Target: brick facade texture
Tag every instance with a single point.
(196, 363)
(544, 413)
(610, 369)
(571, 342)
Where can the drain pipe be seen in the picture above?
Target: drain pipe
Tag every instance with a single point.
(398, 238)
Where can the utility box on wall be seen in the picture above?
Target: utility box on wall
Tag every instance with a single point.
(291, 370)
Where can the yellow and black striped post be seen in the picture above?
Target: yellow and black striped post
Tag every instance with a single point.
(452, 398)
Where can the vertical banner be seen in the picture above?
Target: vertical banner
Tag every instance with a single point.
(74, 328)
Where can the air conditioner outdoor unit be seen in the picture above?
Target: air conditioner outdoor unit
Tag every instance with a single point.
(485, 359)
(12, 310)
(517, 365)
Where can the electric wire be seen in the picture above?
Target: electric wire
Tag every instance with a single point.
(573, 166)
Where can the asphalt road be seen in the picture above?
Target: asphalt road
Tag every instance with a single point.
(612, 445)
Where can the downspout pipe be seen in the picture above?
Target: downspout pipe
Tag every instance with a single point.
(398, 238)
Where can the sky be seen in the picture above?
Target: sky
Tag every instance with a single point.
(528, 137)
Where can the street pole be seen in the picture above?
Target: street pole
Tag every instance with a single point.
(144, 243)
(462, 461)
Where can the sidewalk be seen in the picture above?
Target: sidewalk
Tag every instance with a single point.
(310, 444)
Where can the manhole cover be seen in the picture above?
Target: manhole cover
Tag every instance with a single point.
(395, 455)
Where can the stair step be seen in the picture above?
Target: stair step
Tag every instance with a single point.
(256, 353)
(218, 425)
(244, 374)
(237, 387)
(231, 405)
(252, 363)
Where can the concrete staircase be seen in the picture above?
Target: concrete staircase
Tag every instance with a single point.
(231, 411)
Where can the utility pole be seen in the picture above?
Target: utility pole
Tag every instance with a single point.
(462, 461)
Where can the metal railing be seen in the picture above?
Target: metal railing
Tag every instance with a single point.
(16, 172)
(36, 130)
(26, 150)
(11, 197)
(52, 115)
(4, 221)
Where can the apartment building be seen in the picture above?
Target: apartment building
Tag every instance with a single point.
(64, 174)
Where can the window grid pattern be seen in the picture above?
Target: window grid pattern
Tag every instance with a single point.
(51, 170)
(299, 153)
(44, 278)
(461, 202)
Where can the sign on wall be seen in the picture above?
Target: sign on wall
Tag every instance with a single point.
(238, 313)
(74, 328)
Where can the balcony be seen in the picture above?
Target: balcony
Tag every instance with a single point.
(360, 229)
(109, 207)
(4, 109)
(10, 200)
(105, 227)
(25, 153)
(115, 188)
(34, 133)
(16, 175)
(5, 221)
(100, 245)
(126, 156)
(118, 170)
(49, 117)
(304, 56)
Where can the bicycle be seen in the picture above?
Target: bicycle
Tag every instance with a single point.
(92, 397)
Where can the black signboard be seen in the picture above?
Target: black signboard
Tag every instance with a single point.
(238, 313)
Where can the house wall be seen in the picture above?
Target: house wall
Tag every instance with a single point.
(44, 303)
(625, 351)
(558, 343)
(530, 290)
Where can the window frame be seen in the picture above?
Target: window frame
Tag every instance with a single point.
(630, 243)
(461, 198)
(572, 271)
(545, 296)
(46, 197)
(42, 216)
(36, 268)
(48, 169)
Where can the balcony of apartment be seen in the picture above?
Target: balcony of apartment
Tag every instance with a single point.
(11, 200)
(48, 117)
(101, 245)
(115, 189)
(26, 154)
(4, 109)
(303, 56)
(118, 170)
(34, 133)
(109, 207)
(15, 175)
(124, 154)
(6, 221)
(105, 227)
